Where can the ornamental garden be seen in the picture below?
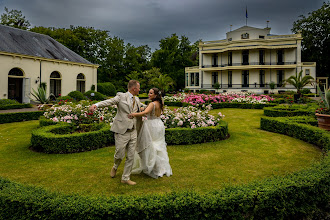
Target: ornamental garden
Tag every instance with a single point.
(233, 155)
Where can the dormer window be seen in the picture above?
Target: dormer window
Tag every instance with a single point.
(261, 37)
(245, 36)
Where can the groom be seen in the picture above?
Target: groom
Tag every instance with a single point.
(125, 128)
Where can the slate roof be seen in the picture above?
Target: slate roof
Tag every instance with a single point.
(14, 40)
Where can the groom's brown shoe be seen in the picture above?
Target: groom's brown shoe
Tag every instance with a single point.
(113, 172)
(129, 182)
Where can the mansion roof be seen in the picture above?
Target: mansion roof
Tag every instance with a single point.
(13, 40)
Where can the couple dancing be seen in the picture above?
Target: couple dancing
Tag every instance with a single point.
(144, 142)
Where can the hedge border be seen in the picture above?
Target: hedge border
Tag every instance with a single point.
(15, 106)
(45, 141)
(19, 116)
(295, 196)
(296, 128)
(282, 112)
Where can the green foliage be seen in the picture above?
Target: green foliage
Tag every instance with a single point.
(93, 87)
(66, 98)
(216, 85)
(197, 135)
(315, 30)
(77, 95)
(290, 110)
(163, 82)
(272, 85)
(241, 105)
(302, 195)
(41, 95)
(173, 56)
(326, 97)
(62, 138)
(107, 89)
(298, 81)
(14, 18)
(19, 116)
(97, 95)
(305, 91)
(12, 104)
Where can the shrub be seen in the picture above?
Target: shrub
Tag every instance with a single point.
(19, 116)
(62, 138)
(289, 110)
(97, 95)
(77, 95)
(106, 88)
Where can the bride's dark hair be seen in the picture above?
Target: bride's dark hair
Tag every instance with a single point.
(158, 97)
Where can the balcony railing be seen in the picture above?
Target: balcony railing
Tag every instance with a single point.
(244, 86)
(250, 63)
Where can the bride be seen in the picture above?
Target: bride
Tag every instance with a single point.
(151, 155)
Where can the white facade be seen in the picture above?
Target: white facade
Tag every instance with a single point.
(249, 59)
(35, 70)
(28, 59)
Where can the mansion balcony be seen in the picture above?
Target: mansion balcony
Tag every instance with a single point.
(252, 64)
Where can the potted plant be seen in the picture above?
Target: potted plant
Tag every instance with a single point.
(272, 86)
(216, 86)
(323, 112)
(299, 83)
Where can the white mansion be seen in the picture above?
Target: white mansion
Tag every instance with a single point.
(249, 59)
(28, 58)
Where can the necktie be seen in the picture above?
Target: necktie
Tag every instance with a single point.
(133, 101)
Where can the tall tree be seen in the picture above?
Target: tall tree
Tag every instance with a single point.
(173, 56)
(14, 18)
(315, 31)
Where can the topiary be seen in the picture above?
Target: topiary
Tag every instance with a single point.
(97, 95)
(77, 95)
(106, 88)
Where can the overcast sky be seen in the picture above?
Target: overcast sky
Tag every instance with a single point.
(145, 22)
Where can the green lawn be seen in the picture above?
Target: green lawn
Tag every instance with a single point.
(248, 154)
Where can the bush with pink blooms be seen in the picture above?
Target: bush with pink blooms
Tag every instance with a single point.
(241, 97)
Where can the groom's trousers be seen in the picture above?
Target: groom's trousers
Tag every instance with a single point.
(125, 142)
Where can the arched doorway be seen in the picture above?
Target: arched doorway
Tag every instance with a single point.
(55, 83)
(15, 84)
(81, 83)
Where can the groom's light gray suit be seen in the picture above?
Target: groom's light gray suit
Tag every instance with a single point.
(125, 129)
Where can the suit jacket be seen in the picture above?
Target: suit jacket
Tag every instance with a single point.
(124, 107)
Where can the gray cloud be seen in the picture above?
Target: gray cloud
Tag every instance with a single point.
(148, 21)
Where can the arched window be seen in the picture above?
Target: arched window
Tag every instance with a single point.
(15, 72)
(15, 84)
(55, 83)
(81, 82)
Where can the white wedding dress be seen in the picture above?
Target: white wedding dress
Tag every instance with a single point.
(151, 155)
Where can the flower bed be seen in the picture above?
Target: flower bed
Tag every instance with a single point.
(242, 97)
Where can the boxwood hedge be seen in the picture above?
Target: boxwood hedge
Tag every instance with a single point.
(301, 195)
(61, 138)
(287, 111)
(19, 116)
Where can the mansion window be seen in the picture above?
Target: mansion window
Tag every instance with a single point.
(230, 58)
(187, 79)
(261, 57)
(307, 72)
(245, 78)
(55, 83)
(214, 60)
(280, 55)
(245, 36)
(81, 83)
(245, 57)
(262, 78)
(280, 78)
(214, 78)
(196, 79)
(230, 79)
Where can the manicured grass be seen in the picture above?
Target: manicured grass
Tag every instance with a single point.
(248, 154)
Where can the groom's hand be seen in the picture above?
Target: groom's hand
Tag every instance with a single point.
(92, 108)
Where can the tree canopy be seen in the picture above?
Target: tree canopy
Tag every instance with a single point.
(315, 31)
(14, 18)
